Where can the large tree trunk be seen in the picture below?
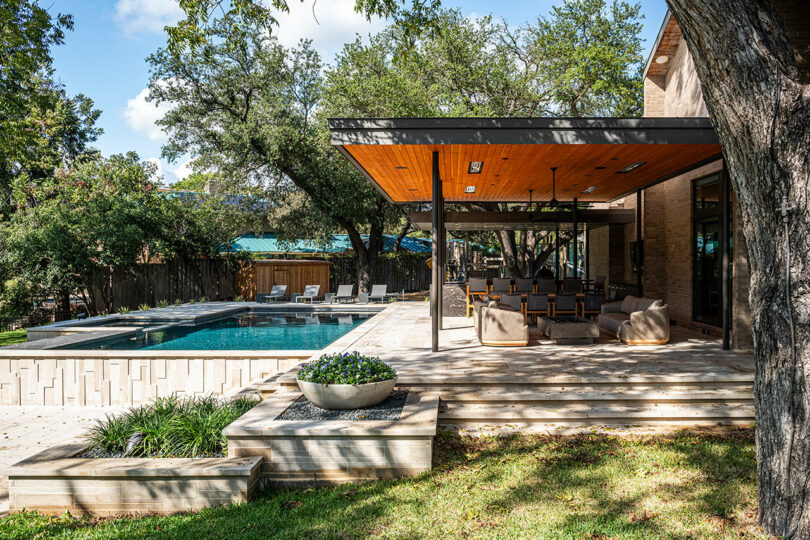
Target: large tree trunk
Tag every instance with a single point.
(761, 109)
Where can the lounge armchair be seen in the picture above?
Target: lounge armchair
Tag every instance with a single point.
(500, 326)
(377, 293)
(636, 321)
(276, 293)
(311, 293)
(344, 294)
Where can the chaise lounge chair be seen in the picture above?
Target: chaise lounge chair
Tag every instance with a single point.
(276, 293)
(344, 293)
(377, 293)
(310, 293)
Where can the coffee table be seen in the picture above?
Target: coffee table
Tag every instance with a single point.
(568, 330)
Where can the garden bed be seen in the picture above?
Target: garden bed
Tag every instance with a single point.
(165, 457)
(335, 451)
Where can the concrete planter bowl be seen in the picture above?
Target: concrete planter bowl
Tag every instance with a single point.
(347, 396)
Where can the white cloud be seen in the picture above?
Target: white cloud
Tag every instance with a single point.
(136, 16)
(183, 170)
(336, 24)
(141, 116)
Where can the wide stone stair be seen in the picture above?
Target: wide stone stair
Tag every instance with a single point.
(574, 402)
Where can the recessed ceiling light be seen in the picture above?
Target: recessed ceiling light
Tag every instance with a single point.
(663, 59)
(400, 168)
(600, 168)
(590, 189)
(475, 167)
(505, 159)
(469, 189)
(631, 167)
(412, 189)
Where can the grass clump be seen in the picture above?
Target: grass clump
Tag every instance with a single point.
(346, 368)
(13, 337)
(169, 427)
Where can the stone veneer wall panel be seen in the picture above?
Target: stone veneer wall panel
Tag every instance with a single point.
(102, 378)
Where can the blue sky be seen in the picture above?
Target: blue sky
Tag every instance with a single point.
(104, 56)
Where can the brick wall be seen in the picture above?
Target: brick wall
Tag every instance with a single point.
(683, 95)
(599, 253)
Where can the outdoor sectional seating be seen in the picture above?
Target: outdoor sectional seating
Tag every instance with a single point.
(498, 325)
(636, 321)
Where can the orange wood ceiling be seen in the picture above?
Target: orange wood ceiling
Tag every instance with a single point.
(510, 170)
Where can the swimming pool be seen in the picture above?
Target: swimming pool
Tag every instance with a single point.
(243, 331)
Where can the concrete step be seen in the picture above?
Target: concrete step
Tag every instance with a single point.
(598, 413)
(529, 394)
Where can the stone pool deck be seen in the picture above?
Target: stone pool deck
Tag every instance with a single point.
(24, 431)
(689, 381)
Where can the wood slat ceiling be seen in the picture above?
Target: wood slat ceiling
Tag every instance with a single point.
(669, 40)
(403, 172)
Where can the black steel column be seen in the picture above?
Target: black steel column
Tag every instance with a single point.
(576, 241)
(557, 252)
(436, 255)
(587, 253)
(724, 242)
(639, 255)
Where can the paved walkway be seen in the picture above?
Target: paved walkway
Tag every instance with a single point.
(24, 431)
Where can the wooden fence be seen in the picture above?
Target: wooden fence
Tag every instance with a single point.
(169, 281)
(401, 271)
(216, 280)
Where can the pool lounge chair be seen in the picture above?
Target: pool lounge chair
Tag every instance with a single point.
(377, 293)
(344, 294)
(310, 293)
(276, 293)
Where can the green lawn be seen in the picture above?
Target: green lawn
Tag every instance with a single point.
(12, 338)
(686, 485)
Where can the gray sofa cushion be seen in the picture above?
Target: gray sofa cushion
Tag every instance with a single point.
(613, 322)
(629, 304)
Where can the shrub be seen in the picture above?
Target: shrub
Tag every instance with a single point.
(123, 310)
(346, 368)
(202, 300)
(178, 302)
(163, 304)
(144, 307)
(170, 427)
(238, 298)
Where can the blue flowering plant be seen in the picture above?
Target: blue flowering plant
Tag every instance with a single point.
(346, 368)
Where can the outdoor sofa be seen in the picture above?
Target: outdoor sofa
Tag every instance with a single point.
(636, 321)
(498, 325)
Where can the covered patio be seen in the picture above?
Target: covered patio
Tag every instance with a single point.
(567, 172)
(690, 381)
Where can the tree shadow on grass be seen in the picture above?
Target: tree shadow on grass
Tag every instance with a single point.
(519, 486)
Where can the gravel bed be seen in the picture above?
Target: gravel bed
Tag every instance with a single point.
(390, 409)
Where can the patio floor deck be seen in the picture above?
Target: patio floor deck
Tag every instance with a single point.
(688, 381)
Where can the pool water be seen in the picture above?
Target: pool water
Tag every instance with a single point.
(248, 332)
